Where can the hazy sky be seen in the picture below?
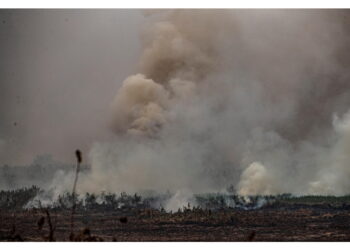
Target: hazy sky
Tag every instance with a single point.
(59, 70)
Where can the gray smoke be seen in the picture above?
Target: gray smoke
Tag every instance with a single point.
(232, 97)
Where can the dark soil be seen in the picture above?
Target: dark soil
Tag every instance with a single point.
(269, 224)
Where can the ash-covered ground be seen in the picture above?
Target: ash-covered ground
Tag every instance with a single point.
(212, 217)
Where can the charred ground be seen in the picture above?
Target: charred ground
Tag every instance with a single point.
(111, 217)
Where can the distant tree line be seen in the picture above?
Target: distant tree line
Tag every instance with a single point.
(32, 197)
(40, 173)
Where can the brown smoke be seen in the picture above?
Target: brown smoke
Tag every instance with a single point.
(242, 97)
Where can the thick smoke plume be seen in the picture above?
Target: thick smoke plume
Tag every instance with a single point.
(232, 97)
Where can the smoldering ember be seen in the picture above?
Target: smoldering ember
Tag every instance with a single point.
(175, 125)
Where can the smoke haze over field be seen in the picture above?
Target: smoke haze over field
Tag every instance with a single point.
(257, 99)
(59, 70)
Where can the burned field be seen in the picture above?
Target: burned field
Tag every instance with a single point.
(131, 218)
(301, 224)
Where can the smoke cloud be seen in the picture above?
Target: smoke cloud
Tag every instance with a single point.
(254, 99)
(232, 97)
